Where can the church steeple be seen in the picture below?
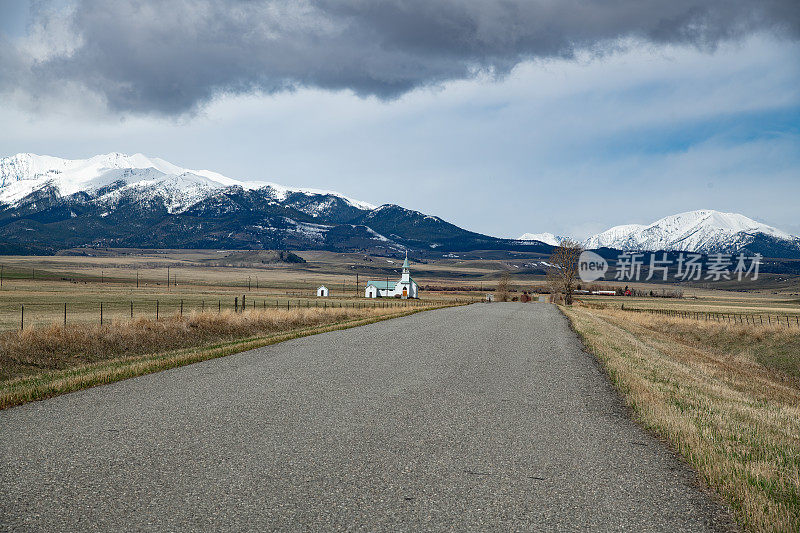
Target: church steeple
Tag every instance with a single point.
(405, 263)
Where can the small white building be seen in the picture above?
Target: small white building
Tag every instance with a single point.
(405, 287)
(322, 291)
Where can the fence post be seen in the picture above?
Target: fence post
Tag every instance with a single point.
(287, 304)
(156, 309)
(101, 313)
(22, 317)
(243, 301)
(131, 308)
(65, 313)
(236, 304)
(219, 306)
(181, 307)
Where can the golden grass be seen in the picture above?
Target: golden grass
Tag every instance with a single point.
(706, 301)
(702, 386)
(41, 362)
(773, 346)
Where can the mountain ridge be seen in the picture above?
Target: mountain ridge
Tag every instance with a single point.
(704, 231)
(701, 231)
(117, 200)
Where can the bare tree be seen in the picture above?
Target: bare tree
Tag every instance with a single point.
(502, 292)
(563, 274)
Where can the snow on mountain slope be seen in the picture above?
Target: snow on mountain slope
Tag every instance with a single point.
(546, 237)
(22, 174)
(613, 236)
(704, 231)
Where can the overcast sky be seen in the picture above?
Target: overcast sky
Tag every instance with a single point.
(503, 117)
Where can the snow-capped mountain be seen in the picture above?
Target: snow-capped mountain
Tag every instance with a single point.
(112, 176)
(546, 237)
(117, 200)
(703, 231)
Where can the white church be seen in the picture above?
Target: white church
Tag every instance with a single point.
(404, 288)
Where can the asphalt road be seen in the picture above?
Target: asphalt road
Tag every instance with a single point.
(487, 417)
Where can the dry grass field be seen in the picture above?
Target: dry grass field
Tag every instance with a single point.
(44, 301)
(726, 397)
(134, 283)
(712, 301)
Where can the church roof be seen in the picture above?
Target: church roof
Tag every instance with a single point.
(382, 285)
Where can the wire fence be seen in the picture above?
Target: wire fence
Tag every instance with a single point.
(105, 311)
(754, 319)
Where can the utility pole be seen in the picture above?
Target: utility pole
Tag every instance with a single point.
(137, 279)
(102, 277)
(356, 283)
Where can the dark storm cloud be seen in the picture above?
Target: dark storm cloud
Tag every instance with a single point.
(169, 57)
